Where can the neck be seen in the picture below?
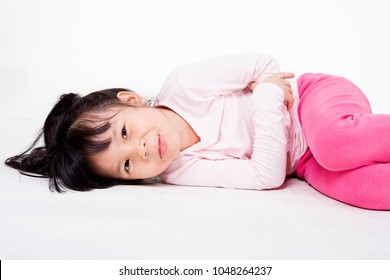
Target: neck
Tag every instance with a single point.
(187, 134)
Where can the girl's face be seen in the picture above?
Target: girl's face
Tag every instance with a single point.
(143, 143)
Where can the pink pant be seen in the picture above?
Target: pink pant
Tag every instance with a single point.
(349, 147)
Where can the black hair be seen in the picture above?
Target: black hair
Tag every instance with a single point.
(69, 141)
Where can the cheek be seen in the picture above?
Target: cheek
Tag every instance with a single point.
(147, 170)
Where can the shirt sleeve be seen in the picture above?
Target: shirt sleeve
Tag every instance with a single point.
(218, 76)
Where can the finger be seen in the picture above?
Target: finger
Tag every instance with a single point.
(286, 86)
(286, 83)
(290, 103)
(285, 75)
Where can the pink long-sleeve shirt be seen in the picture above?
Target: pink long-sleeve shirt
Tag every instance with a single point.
(244, 136)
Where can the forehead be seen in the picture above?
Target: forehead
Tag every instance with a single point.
(103, 161)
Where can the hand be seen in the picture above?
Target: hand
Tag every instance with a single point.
(279, 79)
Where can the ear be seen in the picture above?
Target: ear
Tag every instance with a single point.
(131, 98)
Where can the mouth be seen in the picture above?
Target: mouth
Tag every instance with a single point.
(162, 146)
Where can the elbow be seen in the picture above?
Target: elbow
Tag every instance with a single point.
(269, 172)
(267, 64)
(270, 182)
(275, 183)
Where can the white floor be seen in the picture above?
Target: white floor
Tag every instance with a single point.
(166, 222)
(48, 48)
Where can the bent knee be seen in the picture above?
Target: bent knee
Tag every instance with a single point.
(331, 163)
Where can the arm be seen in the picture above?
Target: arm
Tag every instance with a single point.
(272, 122)
(219, 76)
(267, 167)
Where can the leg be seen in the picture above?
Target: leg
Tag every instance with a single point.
(340, 129)
(366, 187)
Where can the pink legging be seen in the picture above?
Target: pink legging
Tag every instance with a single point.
(349, 147)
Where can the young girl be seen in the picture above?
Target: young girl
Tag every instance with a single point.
(233, 122)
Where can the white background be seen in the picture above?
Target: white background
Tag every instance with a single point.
(52, 47)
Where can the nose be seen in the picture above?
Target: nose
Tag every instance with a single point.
(143, 149)
(137, 149)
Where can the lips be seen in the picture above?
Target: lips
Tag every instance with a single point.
(162, 146)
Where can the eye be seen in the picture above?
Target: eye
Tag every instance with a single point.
(124, 133)
(127, 164)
